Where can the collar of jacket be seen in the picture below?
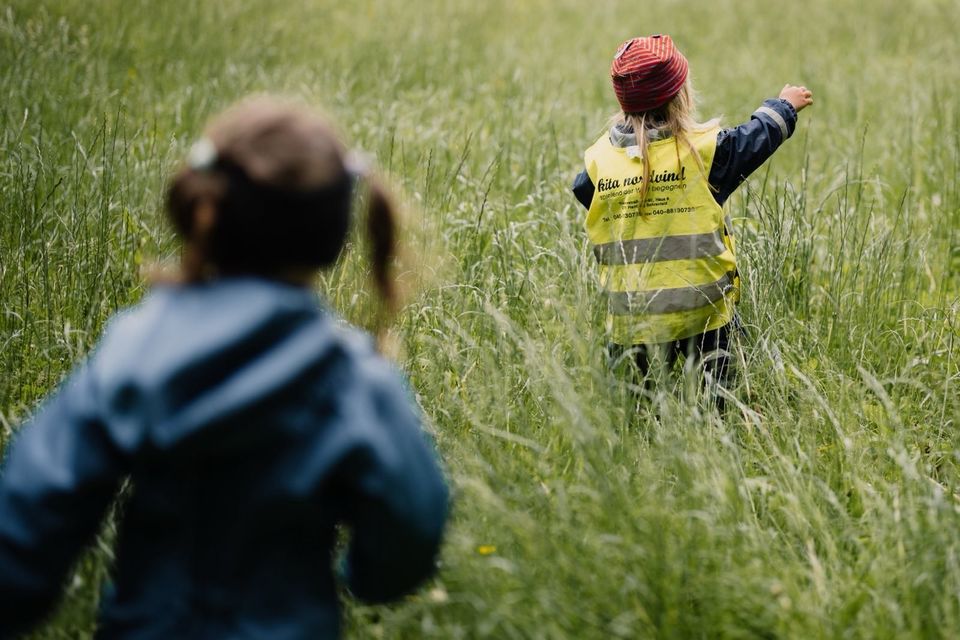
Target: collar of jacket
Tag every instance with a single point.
(622, 135)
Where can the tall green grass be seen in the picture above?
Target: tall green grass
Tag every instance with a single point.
(825, 504)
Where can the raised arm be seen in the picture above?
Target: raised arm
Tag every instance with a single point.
(60, 474)
(743, 149)
(398, 502)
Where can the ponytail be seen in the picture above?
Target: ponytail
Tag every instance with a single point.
(639, 124)
(188, 192)
(382, 231)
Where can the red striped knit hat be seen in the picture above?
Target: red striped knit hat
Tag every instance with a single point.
(647, 72)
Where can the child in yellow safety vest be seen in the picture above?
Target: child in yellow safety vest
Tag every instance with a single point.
(654, 186)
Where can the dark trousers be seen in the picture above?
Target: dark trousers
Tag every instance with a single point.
(707, 355)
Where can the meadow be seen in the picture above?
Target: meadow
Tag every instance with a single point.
(826, 504)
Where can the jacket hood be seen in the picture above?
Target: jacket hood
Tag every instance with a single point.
(622, 135)
(191, 357)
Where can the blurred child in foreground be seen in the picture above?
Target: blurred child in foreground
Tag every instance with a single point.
(249, 420)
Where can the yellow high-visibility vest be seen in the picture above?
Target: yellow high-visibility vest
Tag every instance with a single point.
(667, 264)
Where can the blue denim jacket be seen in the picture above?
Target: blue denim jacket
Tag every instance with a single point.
(250, 424)
(740, 150)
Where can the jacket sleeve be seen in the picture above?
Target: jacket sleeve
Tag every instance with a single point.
(741, 150)
(583, 188)
(398, 504)
(58, 479)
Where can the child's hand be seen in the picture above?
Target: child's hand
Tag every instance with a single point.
(799, 97)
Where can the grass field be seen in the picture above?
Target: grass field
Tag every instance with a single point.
(827, 505)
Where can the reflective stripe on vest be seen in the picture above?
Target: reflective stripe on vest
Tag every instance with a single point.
(669, 300)
(697, 245)
(666, 263)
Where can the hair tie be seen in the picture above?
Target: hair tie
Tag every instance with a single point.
(203, 155)
(357, 164)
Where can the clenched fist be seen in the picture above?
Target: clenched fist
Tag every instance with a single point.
(799, 97)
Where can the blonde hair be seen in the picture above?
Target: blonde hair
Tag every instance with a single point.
(678, 117)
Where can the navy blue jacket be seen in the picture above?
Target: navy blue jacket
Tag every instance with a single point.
(251, 424)
(740, 150)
